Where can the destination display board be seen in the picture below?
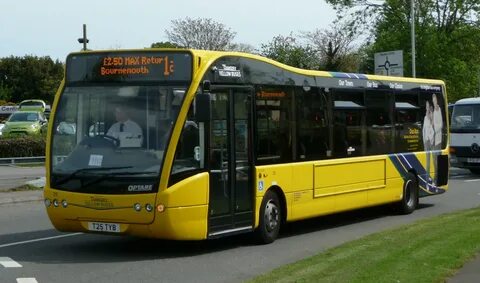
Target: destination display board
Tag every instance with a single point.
(129, 67)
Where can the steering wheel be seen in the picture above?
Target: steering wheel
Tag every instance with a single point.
(111, 139)
(101, 141)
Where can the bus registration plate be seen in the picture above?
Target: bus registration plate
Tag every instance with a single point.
(104, 227)
(473, 160)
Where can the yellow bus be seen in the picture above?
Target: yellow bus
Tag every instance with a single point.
(191, 145)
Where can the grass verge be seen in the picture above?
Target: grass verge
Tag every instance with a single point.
(427, 251)
(25, 187)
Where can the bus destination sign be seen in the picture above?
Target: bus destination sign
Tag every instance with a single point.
(137, 65)
(129, 67)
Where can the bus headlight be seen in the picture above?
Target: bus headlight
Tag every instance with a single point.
(47, 202)
(137, 207)
(64, 203)
(148, 207)
(55, 202)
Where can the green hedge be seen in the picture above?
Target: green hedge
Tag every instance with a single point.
(22, 147)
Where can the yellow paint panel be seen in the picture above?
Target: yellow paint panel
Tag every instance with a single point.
(181, 223)
(305, 206)
(276, 175)
(188, 192)
(104, 208)
(303, 174)
(348, 177)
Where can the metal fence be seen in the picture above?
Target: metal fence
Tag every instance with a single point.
(22, 160)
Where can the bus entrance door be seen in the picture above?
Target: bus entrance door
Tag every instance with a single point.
(231, 199)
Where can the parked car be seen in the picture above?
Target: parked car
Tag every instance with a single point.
(32, 105)
(25, 123)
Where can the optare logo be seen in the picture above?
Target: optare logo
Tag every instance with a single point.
(475, 148)
(140, 188)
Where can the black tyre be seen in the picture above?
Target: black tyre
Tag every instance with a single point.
(409, 201)
(270, 218)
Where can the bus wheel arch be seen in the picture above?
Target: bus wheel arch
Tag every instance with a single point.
(272, 215)
(410, 195)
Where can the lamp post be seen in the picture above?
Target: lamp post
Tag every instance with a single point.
(412, 18)
(84, 39)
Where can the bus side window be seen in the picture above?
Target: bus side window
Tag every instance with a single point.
(349, 123)
(408, 122)
(379, 121)
(274, 124)
(312, 124)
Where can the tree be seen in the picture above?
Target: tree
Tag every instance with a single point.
(200, 33)
(165, 44)
(5, 92)
(335, 48)
(242, 47)
(30, 77)
(447, 36)
(287, 50)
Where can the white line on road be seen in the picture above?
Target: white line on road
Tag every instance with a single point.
(8, 262)
(27, 280)
(38, 240)
(473, 180)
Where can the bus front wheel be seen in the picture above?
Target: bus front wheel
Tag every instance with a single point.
(410, 195)
(270, 218)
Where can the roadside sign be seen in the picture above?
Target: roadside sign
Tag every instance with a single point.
(389, 63)
(8, 109)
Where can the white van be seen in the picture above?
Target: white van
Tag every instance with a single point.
(465, 135)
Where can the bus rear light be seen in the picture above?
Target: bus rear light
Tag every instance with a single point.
(160, 208)
(148, 207)
(47, 202)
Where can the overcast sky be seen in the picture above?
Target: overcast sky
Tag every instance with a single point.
(52, 27)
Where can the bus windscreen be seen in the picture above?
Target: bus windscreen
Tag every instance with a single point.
(129, 67)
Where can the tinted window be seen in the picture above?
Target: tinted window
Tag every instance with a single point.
(349, 122)
(312, 124)
(408, 125)
(379, 122)
(274, 124)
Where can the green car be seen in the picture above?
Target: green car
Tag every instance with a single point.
(32, 105)
(25, 123)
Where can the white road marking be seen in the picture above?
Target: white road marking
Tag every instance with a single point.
(27, 280)
(8, 262)
(38, 240)
(473, 180)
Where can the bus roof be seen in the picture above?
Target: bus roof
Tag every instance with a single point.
(211, 56)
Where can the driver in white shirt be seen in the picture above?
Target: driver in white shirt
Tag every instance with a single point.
(124, 127)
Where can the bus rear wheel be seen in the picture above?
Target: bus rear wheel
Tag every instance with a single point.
(409, 200)
(270, 218)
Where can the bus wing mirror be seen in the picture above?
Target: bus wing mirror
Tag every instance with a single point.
(202, 107)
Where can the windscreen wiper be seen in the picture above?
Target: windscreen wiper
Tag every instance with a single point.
(75, 173)
(106, 176)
